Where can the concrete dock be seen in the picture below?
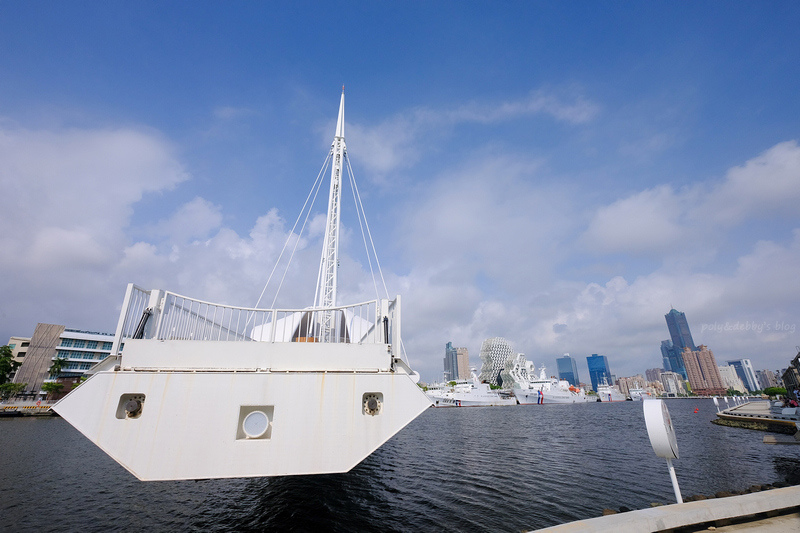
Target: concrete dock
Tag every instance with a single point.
(760, 415)
(41, 408)
(776, 510)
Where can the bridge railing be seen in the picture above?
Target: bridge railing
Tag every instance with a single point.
(165, 315)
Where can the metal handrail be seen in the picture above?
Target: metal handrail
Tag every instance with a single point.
(165, 315)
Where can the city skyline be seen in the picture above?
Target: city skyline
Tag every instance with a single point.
(621, 159)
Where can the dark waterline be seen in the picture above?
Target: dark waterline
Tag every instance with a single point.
(469, 469)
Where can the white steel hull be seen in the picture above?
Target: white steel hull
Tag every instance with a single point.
(468, 400)
(610, 395)
(191, 421)
(530, 397)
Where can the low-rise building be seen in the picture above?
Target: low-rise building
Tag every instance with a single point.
(76, 350)
(19, 348)
(674, 385)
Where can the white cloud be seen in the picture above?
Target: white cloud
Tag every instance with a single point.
(69, 197)
(501, 241)
(489, 218)
(487, 249)
(82, 182)
(693, 220)
(764, 186)
(193, 220)
(646, 222)
(399, 141)
(572, 108)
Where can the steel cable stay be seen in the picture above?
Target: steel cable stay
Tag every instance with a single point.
(366, 233)
(363, 223)
(312, 196)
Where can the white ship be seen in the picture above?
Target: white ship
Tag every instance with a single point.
(543, 390)
(204, 390)
(436, 392)
(469, 393)
(610, 393)
(562, 392)
(638, 394)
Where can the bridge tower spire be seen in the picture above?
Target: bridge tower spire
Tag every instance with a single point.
(329, 264)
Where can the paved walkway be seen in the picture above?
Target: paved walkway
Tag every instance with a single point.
(702, 515)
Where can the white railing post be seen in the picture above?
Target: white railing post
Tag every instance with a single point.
(122, 319)
(153, 325)
(396, 328)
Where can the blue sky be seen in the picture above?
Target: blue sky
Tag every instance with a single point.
(557, 173)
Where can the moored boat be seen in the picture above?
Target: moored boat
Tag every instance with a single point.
(543, 390)
(610, 393)
(471, 393)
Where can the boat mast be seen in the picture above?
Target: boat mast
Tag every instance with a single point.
(329, 265)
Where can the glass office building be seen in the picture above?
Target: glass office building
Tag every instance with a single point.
(680, 338)
(568, 370)
(598, 370)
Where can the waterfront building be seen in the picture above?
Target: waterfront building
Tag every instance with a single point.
(456, 363)
(673, 384)
(655, 388)
(495, 353)
(634, 382)
(653, 374)
(744, 368)
(731, 379)
(767, 378)
(568, 370)
(598, 370)
(79, 350)
(703, 372)
(791, 377)
(19, 348)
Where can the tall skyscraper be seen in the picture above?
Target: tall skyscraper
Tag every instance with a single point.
(680, 338)
(568, 370)
(744, 369)
(456, 363)
(679, 330)
(598, 370)
(701, 366)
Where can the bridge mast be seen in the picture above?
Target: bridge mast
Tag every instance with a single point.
(329, 265)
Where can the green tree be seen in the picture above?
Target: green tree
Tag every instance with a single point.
(51, 387)
(9, 390)
(775, 391)
(7, 364)
(57, 367)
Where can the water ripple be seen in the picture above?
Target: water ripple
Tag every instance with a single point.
(494, 469)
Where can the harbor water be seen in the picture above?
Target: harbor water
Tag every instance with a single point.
(469, 469)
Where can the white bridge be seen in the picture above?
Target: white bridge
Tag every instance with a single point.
(195, 389)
